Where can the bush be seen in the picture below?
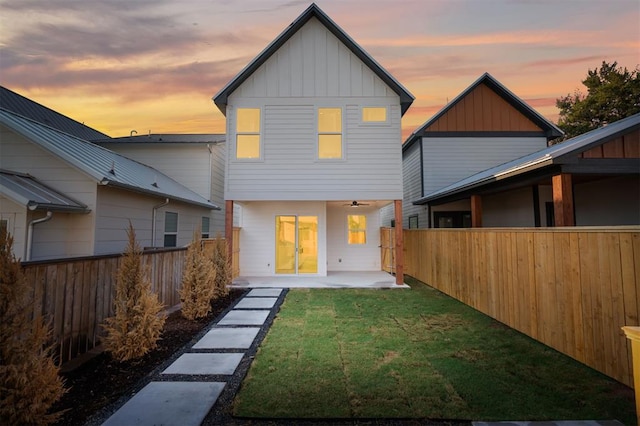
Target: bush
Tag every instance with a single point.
(29, 381)
(136, 326)
(222, 266)
(198, 281)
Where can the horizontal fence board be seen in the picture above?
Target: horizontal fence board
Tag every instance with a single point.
(570, 288)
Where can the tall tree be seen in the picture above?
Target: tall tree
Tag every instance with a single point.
(613, 93)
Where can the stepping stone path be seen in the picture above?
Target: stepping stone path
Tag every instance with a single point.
(184, 392)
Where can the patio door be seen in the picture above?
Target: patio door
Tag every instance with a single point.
(296, 245)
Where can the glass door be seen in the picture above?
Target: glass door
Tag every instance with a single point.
(296, 245)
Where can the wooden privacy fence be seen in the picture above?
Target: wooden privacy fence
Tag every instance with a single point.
(235, 260)
(569, 288)
(76, 294)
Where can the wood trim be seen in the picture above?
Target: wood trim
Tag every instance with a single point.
(563, 200)
(228, 226)
(476, 211)
(399, 243)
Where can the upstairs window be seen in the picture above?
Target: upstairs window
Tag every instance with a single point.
(170, 229)
(374, 115)
(205, 227)
(357, 228)
(329, 133)
(248, 133)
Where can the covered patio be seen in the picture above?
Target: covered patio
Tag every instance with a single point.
(365, 279)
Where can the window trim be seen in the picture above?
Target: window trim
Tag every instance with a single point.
(204, 234)
(416, 217)
(386, 122)
(341, 133)
(258, 133)
(170, 233)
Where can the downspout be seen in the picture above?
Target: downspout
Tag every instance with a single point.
(153, 220)
(27, 249)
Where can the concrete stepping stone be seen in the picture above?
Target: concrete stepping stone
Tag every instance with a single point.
(244, 317)
(256, 303)
(228, 338)
(264, 292)
(205, 364)
(168, 404)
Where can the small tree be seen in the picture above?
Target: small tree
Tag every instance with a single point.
(29, 381)
(198, 281)
(613, 93)
(136, 326)
(222, 266)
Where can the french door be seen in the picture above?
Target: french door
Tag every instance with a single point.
(296, 245)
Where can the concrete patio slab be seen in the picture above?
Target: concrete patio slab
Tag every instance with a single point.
(265, 292)
(244, 317)
(225, 363)
(168, 404)
(228, 338)
(366, 279)
(256, 303)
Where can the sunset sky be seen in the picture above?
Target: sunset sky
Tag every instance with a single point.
(153, 65)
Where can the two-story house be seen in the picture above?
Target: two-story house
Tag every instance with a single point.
(314, 152)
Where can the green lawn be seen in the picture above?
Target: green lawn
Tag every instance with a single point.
(415, 354)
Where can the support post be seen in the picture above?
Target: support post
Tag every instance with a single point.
(563, 200)
(228, 227)
(633, 334)
(399, 243)
(476, 211)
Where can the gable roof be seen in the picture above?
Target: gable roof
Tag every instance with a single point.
(30, 192)
(555, 154)
(100, 164)
(167, 138)
(25, 107)
(551, 130)
(406, 98)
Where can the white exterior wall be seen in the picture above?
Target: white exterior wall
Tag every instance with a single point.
(342, 256)
(448, 160)
(16, 217)
(607, 202)
(314, 69)
(66, 234)
(116, 207)
(257, 236)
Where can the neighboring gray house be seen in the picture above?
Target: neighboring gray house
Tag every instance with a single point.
(194, 160)
(313, 152)
(482, 127)
(589, 180)
(62, 196)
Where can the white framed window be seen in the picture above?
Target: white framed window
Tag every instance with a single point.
(205, 226)
(375, 115)
(248, 133)
(357, 229)
(170, 229)
(330, 133)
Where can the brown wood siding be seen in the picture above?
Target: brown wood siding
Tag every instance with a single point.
(570, 288)
(625, 146)
(483, 110)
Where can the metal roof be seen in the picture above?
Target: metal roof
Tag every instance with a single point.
(35, 195)
(167, 138)
(550, 129)
(100, 164)
(554, 154)
(18, 104)
(406, 98)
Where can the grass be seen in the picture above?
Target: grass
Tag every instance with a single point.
(415, 354)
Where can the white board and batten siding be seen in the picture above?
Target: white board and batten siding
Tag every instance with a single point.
(65, 235)
(342, 256)
(314, 69)
(450, 159)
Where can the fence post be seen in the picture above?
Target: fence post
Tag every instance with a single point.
(633, 334)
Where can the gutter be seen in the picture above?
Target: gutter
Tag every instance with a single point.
(153, 220)
(27, 249)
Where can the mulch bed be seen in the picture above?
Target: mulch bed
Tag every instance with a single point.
(102, 380)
